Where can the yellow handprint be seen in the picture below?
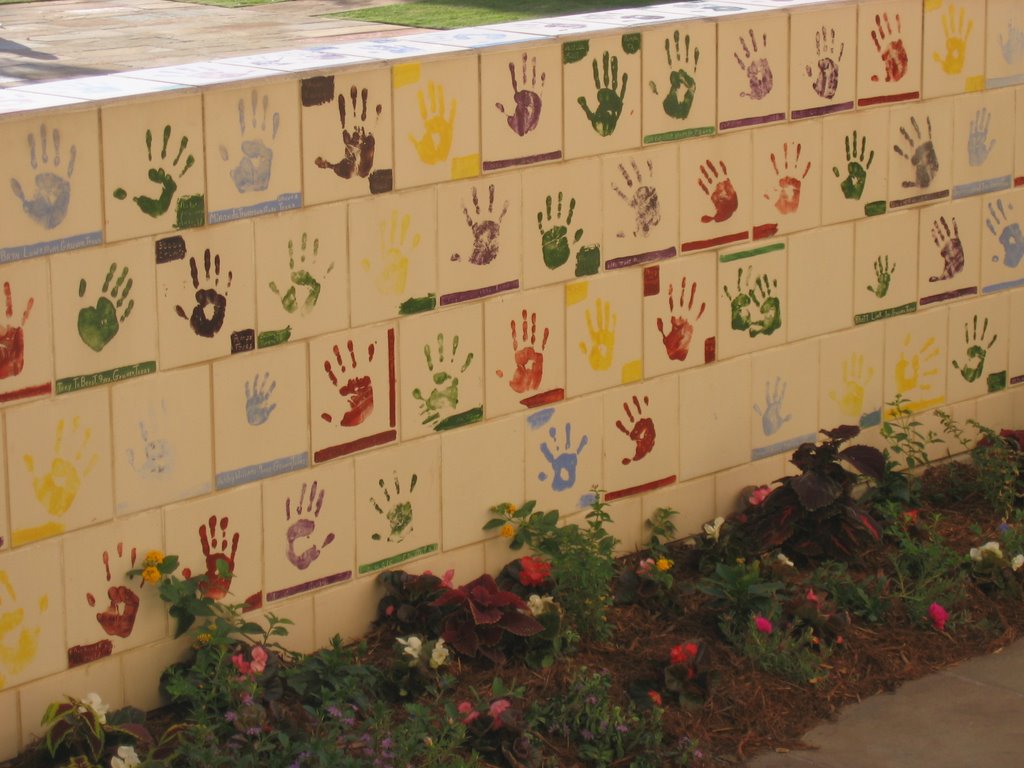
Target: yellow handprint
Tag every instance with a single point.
(17, 653)
(436, 142)
(952, 62)
(851, 399)
(909, 373)
(394, 263)
(58, 488)
(602, 337)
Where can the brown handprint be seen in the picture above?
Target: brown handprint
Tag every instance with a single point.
(677, 340)
(787, 190)
(526, 115)
(641, 198)
(359, 142)
(219, 566)
(486, 231)
(640, 430)
(12, 337)
(894, 55)
(303, 527)
(719, 189)
(529, 360)
(118, 619)
(207, 316)
(357, 389)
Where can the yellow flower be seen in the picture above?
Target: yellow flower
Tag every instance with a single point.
(663, 564)
(150, 575)
(154, 557)
(510, 509)
(508, 531)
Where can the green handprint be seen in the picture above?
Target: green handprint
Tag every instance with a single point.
(554, 241)
(445, 394)
(883, 276)
(98, 325)
(609, 103)
(754, 309)
(189, 209)
(680, 80)
(856, 168)
(301, 278)
(972, 369)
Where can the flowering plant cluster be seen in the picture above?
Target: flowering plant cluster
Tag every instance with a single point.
(687, 672)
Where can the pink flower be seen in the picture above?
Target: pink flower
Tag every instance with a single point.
(812, 597)
(645, 566)
(534, 571)
(259, 659)
(938, 616)
(468, 713)
(446, 580)
(758, 495)
(241, 664)
(763, 625)
(496, 710)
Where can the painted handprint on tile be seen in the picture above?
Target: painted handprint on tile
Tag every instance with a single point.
(19, 642)
(554, 238)
(890, 47)
(1009, 233)
(754, 308)
(956, 34)
(304, 292)
(909, 373)
(190, 209)
(436, 142)
(356, 390)
(976, 350)
(640, 197)
(640, 429)
(680, 334)
(978, 145)
(256, 161)
(48, 205)
(359, 142)
(1011, 47)
(856, 167)
(156, 456)
(529, 358)
(855, 378)
(756, 66)
(300, 533)
(57, 487)
(98, 325)
(771, 415)
(883, 276)
(392, 262)
(720, 191)
(207, 316)
(485, 228)
(444, 396)
(787, 188)
(118, 618)
(525, 116)
(12, 337)
(257, 399)
(682, 88)
(950, 248)
(601, 350)
(399, 514)
(605, 116)
(826, 71)
(218, 560)
(919, 152)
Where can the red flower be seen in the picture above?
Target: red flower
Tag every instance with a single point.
(682, 654)
(938, 616)
(533, 571)
(655, 697)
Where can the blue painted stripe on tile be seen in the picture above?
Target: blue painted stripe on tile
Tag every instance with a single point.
(781, 447)
(253, 472)
(285, 202)
(981, 187)
(16, 252)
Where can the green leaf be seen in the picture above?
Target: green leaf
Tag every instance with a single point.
(495, 523)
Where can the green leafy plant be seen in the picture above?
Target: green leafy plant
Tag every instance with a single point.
(862, 596)
(792, 651)
(925, 569)
(407, 604)
(687, 673)
(738, 591)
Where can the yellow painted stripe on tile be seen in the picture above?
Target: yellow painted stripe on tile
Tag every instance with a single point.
(40, 532)
(465, 167)
(576, 292)
(632, 371)
(932, 5)
(405, 74)
(976, 83)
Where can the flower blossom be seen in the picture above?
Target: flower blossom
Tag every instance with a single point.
(938, 616)
(508, 531)
(655, 697)
(540, 605)
(758, 495)
(150, 574)
(498, 708)
(684, 654)
(154, 557)
(763, 625)
(469, 714)
(95, 703)
(439, 655)
(713, 528)
(663, 564)
(783, 560)
(978, 553)
(533, 571)
(645, 566)
(126, 757)
(259, 659)
(411, 646)
(1017, 562)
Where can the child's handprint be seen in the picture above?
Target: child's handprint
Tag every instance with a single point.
(157, 454)
(978, 145)
(640, 430)
(117, 619)
(554, 241)
(49, 205)
(605, 117)
(16, 654)
(563, 459)
(855, 379)
(445, 394)
(252, 174)
(435, 144)
(399, 514)
(526, 115)
(920, 154)
(158, 206)
(220, 567)
(787, 187)
(99, 325)
(301, 279)
(602, 336)
(883, 276)
(952, 62)
(973, 367)
(304, 527)
(758, 70)
(856, 168)
(826, 81)
(359, 142)
(58, 488)
(357, 390)
(12, 337)
(950, 247)
(1010, 236)
(486, 231)
(719, 189)
(677, 340)
(643, 199)
(680, 80)
(207, 316)
(257, 399)
(894, 55)
(908, 371)
(771, 417)
(750, 298)
(394, 255)
(529, 360)
(1012, 46)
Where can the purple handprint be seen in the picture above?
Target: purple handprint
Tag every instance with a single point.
(304, 527)
(526, 114)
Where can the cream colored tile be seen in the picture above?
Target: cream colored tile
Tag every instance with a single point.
(10, 725)
(1016, 346)
(497, 555)
(822, 60)
(950, 251)
(995, 411)
(851, 365)
(1018, 408)
(983, 136)
(679, 66)
(465, 563)
(347, 610)
(921, 159)
(626, 524)
(888, 52)
(787, 177)
(716, 191)
(143, 668)
(752, 298)
(820, 278)
(641, 206)
(785, 391)
(1002, 243)
(301, 634)
(564, 457)
(679, 314)
(1018, 151)
(885, 266)
(753, 76)
(855, 147)
(641, 449)
(103, 678)
(714, 417)
(916, 359)
(954, 48)
(1004, 44)
(978, 347)
(5, 524)
(946, 444)
(693, 502)
(730, 484)
(26, 367)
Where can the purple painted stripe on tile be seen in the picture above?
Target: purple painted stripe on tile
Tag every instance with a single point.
(971, 291)
(308, 585)
(926, 198)
(512, 162)
(478, 293)
(798, 114)
(640, 258)
(743, 122)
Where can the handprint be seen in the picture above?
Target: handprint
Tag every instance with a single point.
(58, 488)
(1012, 47)
(117, 619)
(526, 115)
(908, 370)
(771, 417)
(643, 199)
(640, 430)
(920, 154)
(164, 179)
(855, 379)
(826, 82)
(359, 142)
(445, 394)
(399, 514)
(12, 337)
(883, 276)
(787, 188)
(394, 254)
(304, 527)
(257, 399)
(49, 205)
(554, 241)
(972, 368)
(529, 360)
(563, 459)
(952, 62)
(950, 247)
(680, 80)
(978, 146)
(252, 174)
(754, 298)
(301, 279)
(758, 70)
(157, 454)
(220, 567)
(1010, 236)
(207, 316)
(486, 231)
(99, 325)
(605, 117)
(16, 653)
(357, 390)
(602, 336)
(894, 55)
(677, 340)
(856, 169)
(435, 144)
(719, 189)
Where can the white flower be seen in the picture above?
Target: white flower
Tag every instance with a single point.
(439, 655)
(95, 703)
(411, 646)
(782, 559)
(1017, 562)
(126, 757)
(977, 553)
(712, 528)
(539, 605)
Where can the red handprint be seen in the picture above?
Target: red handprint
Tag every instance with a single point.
(719, 189)
(640, 431)
(787, 190)
(12, 337)
(894, 56)
(219, 566)
(529, 361)
(677, 340)
(358, 389)
(118, 619)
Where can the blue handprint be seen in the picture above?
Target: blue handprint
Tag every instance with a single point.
(1010, 235)
(49, 205)
(563, 466)
(978, 145)
(257, 399)
(252, 174)
(771, 417)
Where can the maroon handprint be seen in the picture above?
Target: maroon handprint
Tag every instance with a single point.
(719, 189)
(529, 360)
(677, 340)
(640, 430)
(894, 55)
(358, 390)
(118, 619)
(526, 115)
(219, 566)
(12, 337)
(359, 142)
(303, 527)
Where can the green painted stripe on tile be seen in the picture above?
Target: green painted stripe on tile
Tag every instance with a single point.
(726, 258)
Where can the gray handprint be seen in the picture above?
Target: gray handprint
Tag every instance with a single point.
(562, 458)
(304, 527)
(641, 198)
(771, 416)
(252, 174)
(1010, 236)
(920, 153)
(978, 145)
(257, 399)
(49, 205)
(157, 454)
